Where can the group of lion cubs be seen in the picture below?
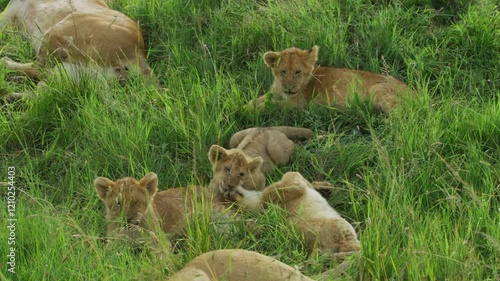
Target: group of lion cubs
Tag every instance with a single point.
(88, 36)
(238, 177)
(135, 208)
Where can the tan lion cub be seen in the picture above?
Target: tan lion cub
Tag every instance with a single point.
(237, 265)
(323, 228)
(298, 80)
(274, 144)
(231, 168)
(254, 151)
(134, 206)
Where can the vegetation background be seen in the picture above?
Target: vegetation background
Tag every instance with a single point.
(421, 186)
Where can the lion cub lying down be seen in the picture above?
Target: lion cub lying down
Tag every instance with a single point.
(78, 34)
(298, 80)
(233, 168)
(134, 206)
(274, 144)
(253, 151)
(237, 265)
(323, 228)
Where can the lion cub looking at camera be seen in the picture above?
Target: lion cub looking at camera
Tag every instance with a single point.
(323, 228)
(237, 265)
(298, 80)
(134, 206)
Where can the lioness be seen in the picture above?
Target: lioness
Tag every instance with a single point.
(324, 229)
(78, 34)
(237, 265)
(274, 144)
(135, 205)
(298, 80)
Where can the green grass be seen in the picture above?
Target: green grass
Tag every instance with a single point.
(421, 186)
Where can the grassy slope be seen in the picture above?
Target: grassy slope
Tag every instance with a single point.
(421, 186)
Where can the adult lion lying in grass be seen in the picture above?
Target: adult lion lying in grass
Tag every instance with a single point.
(237, 265)
(298, 80)
(134, 207)
(79, 34)
(323, 228)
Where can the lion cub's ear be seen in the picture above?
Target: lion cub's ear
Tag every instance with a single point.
(255, 163)
(312, 54)
(150, 182)
(216, 153)
(271, 59)
(103, 186)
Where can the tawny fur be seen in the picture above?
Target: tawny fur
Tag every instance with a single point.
(237, 265)
(233, 168)
(81, 33)
(135, 204)
(298, 80)
(274, 144)
(323, 228)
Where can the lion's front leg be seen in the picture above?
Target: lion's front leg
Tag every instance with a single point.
(12, 97)
(260, 102)
(28, 69)
(246, 199)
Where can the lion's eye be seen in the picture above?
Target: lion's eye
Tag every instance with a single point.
(227, 169)
(118, 203)
(283, 72)
(298, 72)
(242, 174)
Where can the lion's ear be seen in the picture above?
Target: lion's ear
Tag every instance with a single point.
(312, 54)
(271, 59)
(150, 182)
(103, 186)
(255, 163)
(216, 153)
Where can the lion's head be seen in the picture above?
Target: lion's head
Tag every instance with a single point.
(292, 69)
(231, 168)
(128, 202)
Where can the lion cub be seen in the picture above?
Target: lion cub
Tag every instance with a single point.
(237, 265)
(253, 151)
(298, 80)
(274, 144)
(231, 168)
(323, 228)
(134, 206)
